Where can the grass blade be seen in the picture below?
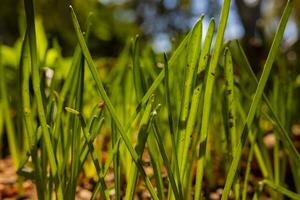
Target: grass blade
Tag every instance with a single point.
(29, 8)
(284, 136)
(140, 146)
(91, 150)
(279, 189)
(116, 161)
(257, 97)
(230, 105)
(12, 141)
(203, 61)
(176, 190)
(209, 84)
(137, 71)
(172, 132)
(108, 103)
(194, 47)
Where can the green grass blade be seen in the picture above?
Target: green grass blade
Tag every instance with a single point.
(27, 115)
(257, 97)
(204, 57)
(116, 161)
(10, 130)
(25, 95)
(171, 127)
(279, 189)
(161, 75)
(230, 118)
(176, 190)
(284, 136)
(210, 79)
(209, 84)
(137, 71)
(203, 61)
(92, 151)
(230, 104)
(194, 47)
(140, 146)
(155, 162)
(110, 159)
(74, 128)
(29, 8)
(85, 148)
(288, 144)
(241, 60)
(108, 103)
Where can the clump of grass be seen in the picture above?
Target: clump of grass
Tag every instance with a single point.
(138, 109)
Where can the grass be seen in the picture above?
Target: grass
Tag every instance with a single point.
(190, 117)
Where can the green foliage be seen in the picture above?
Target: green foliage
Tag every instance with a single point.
(195, 108)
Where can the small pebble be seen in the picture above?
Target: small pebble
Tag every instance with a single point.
(85, 194)
(296, 129)
(214, 196)
(270, 140)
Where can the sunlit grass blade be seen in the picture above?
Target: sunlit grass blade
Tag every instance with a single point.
(29, 8)
(209, 85)
(205, 52)
(277, 188)
(116, 161)
(284, 136)
(257, 97)
(140, 146)
(230, 105)
(30, 126)
(171, 128)
(93, 131)
(176, 190)
(210, 79)
(193, 48)
(254, 148)
(203, 62)
(241, 60)
(108, 103)
(247, 173)
(137, 71)
(74, 128)
(91, 150)
(110, 159)
(265, 167)
(230, 118)
(155, 162)
(197, 91)
(10, 130)
(25, 94)
(161, 75)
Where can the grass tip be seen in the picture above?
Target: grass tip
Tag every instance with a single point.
(199, 20)
(165, 56)
(71, 110)
(226, 50)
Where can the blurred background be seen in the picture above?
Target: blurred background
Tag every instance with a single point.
(159, 21)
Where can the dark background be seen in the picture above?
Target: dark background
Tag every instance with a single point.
(158, 21)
